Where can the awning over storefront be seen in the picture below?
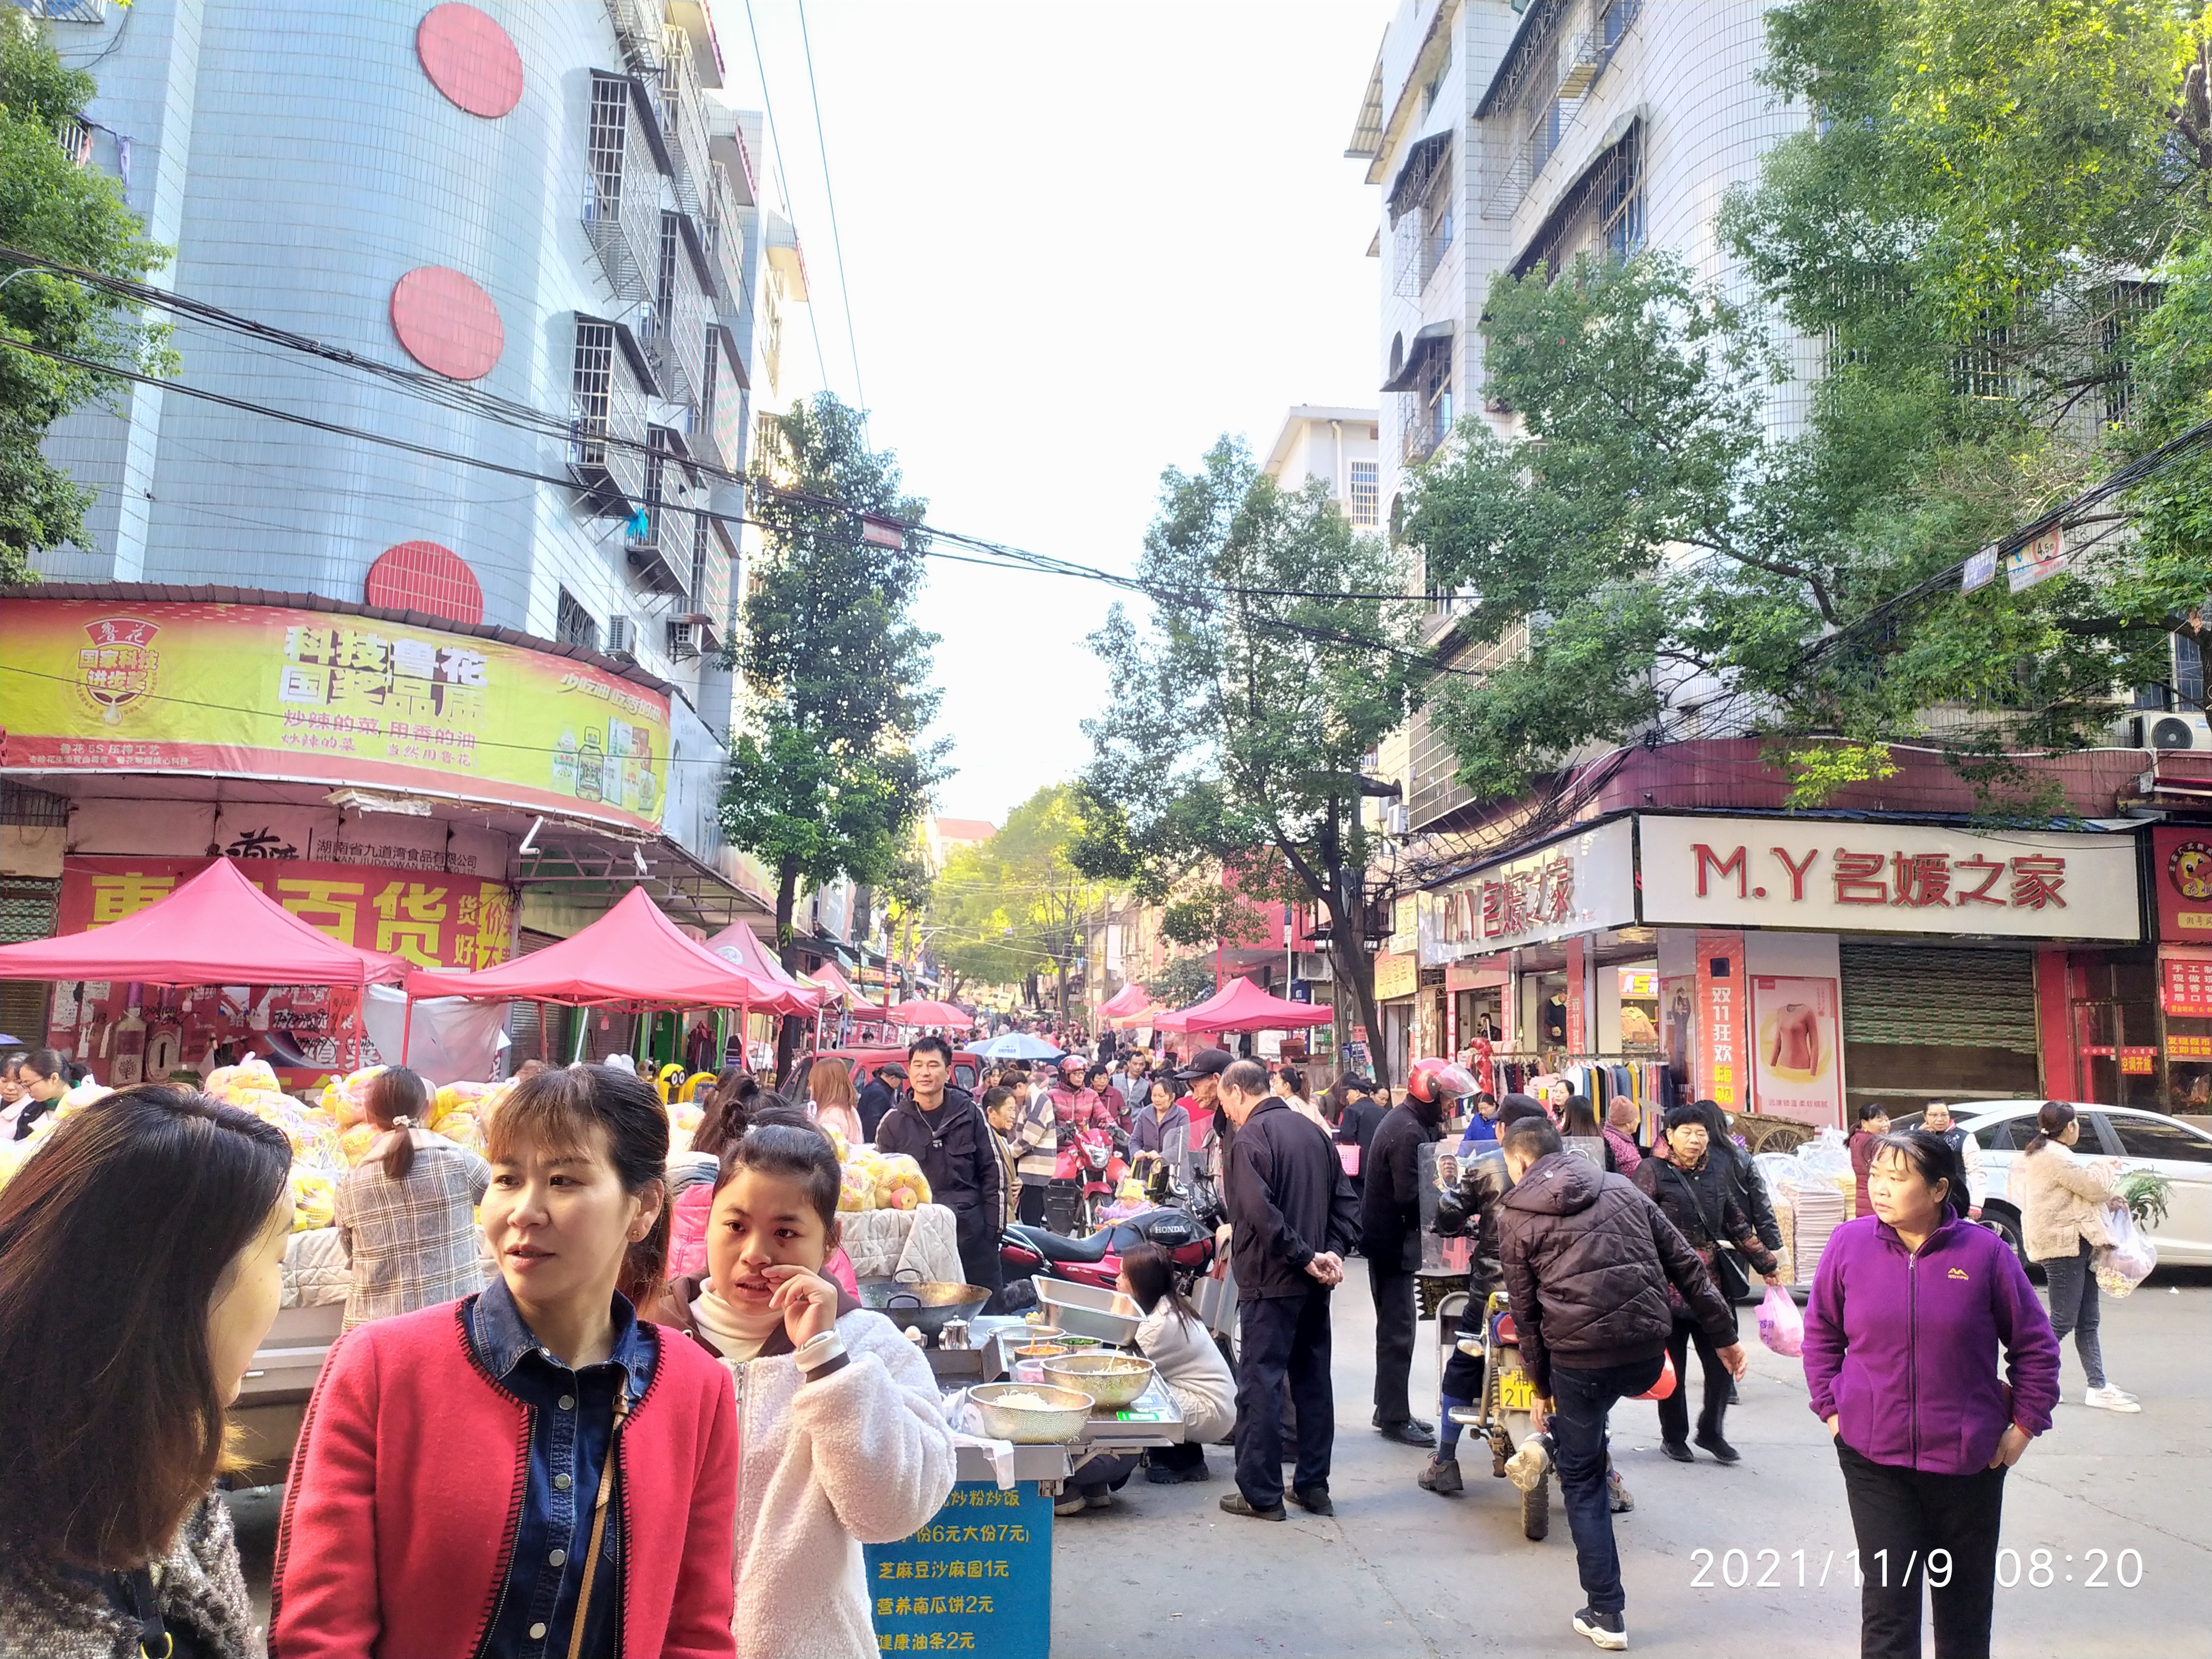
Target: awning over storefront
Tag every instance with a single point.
(217, 929)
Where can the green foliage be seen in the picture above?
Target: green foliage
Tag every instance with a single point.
(1184, 980)
(51, 207)
(1012, 907)
(827, 775)
(1242, 713)
(2147, 1195)
(1965, 226)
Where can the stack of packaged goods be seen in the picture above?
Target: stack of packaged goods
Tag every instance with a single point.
(1809, 1204)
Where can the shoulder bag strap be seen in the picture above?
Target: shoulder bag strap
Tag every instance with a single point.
(599, 1523)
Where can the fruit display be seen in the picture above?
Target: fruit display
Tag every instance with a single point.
(857, 1190)
(837, 1142)
(894, 1180)
(314, 1194)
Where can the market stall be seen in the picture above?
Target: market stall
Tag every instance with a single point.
(1242, 1006)
(216, 949)
(1132, 1005)
(942, 1016)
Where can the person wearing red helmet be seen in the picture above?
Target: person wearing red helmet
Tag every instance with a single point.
(1074, 1104)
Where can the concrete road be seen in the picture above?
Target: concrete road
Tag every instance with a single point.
(1400, 1571)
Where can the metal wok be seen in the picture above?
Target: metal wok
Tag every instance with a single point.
(922, 1305)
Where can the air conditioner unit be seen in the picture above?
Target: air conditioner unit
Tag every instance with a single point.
(1397, 820)
(1315, 968)
(622, 638)
(2173, 731)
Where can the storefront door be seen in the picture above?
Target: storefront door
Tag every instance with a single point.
(2116, 1034)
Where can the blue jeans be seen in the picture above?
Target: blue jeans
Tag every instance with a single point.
(2073, 1292)
(1580, 1400)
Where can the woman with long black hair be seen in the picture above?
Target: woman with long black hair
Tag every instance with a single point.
(113, 1406)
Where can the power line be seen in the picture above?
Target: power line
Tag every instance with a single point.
(837, 240)
(768, 108)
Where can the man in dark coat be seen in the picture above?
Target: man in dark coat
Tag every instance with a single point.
(1291, 1217)
(1357, 1124)
(1390, 1238)
(1587, 1259)
(877, 1095)
(941, 1128)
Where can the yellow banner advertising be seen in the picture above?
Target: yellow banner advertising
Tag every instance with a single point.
(256, 691)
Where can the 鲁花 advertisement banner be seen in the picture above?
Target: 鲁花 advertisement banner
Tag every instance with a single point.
(252, 690)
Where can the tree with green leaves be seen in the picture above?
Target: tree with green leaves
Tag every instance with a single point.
(1248, 697)
(56, 209)
(828, 776)
(1013, 908)
(1966, 224)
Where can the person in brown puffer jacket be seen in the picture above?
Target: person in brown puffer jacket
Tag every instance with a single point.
(1587, 1259)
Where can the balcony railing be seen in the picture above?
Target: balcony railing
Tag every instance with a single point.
(684, 115)
(66, 11)
(622, 191)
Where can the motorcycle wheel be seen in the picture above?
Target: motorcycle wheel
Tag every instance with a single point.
(1536, 1511)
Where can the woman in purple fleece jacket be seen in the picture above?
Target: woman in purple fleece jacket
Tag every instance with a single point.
(1910, 1309)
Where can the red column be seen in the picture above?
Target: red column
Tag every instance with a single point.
(2054, 1023)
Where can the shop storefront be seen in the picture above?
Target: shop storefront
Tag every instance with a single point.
(1798, 966)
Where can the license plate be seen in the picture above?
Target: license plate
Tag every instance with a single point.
(1515, 1391)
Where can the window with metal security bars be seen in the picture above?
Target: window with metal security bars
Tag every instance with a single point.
(1366, 492)
(66, 11)
(28, 909)
(2126, 304)
(708, 351)
(35, 808)
(1921, 997)
(606, 419)
(574, 625)
(1982, 370)
(621, 189)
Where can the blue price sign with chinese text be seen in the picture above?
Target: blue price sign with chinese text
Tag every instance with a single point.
(976, 1579)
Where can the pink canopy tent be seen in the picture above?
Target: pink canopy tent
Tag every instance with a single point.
(931, 1013)
(1132, 1005)
(740, 944)
(1240, 1005)
(632, 957)
(217, 929)
(844, 990)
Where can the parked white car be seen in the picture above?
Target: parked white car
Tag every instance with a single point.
(2138, 1139)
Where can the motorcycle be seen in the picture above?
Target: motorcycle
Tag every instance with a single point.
(1089, 1160)
(1025, 1251)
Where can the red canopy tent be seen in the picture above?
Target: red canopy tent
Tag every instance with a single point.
(1240, 1005)
(831, 979)
(740, 944)
(1130, 1005)
(217, 929)
(631, 957)
(931, 1013)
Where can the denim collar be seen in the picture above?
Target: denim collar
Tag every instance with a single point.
(503, 1340)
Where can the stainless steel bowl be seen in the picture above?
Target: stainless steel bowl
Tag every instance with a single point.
(1112, 1379)
(1061, 1421)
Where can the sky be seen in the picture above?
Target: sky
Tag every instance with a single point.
(1083, 240)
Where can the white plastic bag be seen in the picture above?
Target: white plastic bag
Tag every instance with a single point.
(2126, 1261)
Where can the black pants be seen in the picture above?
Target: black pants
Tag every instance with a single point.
(979, 1253)
(1030, 1203)
(1908, 1514)
(1395, 1326)
(1675, 1409)
(1284, 1337)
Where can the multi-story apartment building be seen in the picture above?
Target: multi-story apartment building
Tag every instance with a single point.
(516, 271)
(1339, 446)
(1598, 929)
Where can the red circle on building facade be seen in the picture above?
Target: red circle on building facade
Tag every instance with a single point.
(424, 576)
(447, 323)
(468, 58)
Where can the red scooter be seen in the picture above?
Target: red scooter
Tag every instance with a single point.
(1088, 1158)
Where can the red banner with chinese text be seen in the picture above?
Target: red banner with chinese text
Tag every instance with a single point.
(1723, 1068)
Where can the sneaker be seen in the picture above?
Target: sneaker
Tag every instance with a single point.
(1235, 1503)
(1442, 1477)
(1530, 1464)
(1071, 1502)
(2110, 1398)
(1101, 1500)
(1618, 1497)
(1609, 1629)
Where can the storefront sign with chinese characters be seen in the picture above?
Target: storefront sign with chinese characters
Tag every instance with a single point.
(1723, 1067)
(1858, 878)
(2185, 984)
(1396, 974)
(434, 920)
(1583, 884)
(2181, 871)
(253, 691)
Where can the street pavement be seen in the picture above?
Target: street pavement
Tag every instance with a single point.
(1400, 1571)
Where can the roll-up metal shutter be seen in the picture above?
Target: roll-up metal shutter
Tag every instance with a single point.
(1923, 997)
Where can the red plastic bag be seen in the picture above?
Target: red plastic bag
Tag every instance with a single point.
(1665, 1385)
(1781, 1326)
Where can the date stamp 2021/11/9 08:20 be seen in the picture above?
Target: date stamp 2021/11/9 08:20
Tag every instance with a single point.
(2039, 1569)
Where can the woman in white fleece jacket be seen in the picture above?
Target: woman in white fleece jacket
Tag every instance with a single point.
(1176, 1339)
(842, 1439)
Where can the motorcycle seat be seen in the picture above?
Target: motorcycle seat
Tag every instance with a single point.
(1053, 1246)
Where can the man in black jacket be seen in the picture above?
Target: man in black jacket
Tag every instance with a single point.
(1390, 1238)
(1587, 1259)
(1357, 1124)
(1291, 1217)
(942, 1128)
(877, 1095)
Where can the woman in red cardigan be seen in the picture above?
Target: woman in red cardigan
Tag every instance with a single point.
(530, 1473)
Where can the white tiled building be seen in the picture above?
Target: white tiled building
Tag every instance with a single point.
(1507, 134)
(540, 210)
(1340, 447)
